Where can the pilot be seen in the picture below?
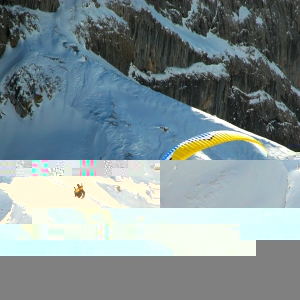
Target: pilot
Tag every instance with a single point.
(79, 191)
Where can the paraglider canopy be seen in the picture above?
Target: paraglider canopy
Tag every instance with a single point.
(198, 143)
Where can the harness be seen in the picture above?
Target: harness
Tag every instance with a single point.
(79, 189)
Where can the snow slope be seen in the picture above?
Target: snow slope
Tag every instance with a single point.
(96, 111)
(20, 195)
(239, 184)
(293, 193)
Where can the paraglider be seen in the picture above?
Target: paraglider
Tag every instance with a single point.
(206, 140)
(79, 192)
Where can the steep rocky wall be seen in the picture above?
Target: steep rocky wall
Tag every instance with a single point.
(254, 25)
(155, 48)
(273, 27)
(266, 117)
(120, 45)
(44, 5)
(110, 39)
(195, 90)
(257, 75)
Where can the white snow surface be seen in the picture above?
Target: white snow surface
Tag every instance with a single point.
(235, 184)
(99, 113)
(196, 69)
(19, 195)
(259, 21)
(244, 13)
(261, 96)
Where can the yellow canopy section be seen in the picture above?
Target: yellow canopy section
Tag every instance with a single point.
(190, 147)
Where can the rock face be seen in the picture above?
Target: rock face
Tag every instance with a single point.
(44, 5)
(110, 39)
(270, 32)
(27, 87)
(155, 48)
(175, 10)
(258, 112)
(22, 88)
(10, 27)
(273, 27)
(11, 20)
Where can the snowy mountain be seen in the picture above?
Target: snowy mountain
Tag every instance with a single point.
(75, 81)
(230, 184)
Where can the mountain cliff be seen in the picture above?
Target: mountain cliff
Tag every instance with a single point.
(256, 91)
(44, 5)
(237, 60)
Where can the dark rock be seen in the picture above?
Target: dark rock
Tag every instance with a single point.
(24, 88)
(175, 10)
(273, 27)
(111, 40)
(10, 24)
(264, 116)
(44, 5)
(195, 90)
(155, 48)
(97, 5)
(38, 99)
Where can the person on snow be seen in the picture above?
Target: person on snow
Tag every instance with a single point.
(79, 191)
